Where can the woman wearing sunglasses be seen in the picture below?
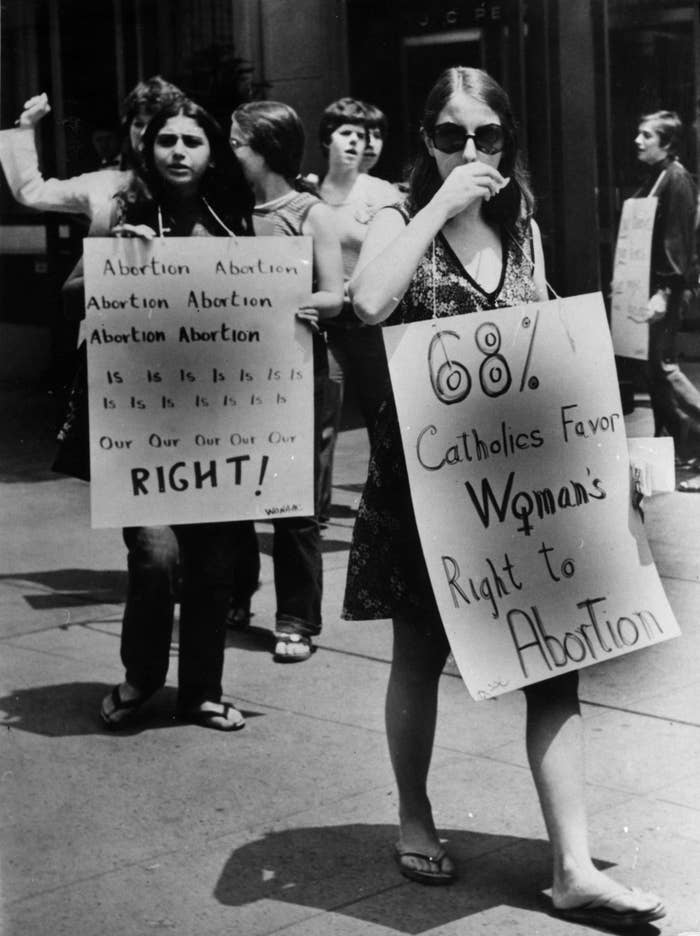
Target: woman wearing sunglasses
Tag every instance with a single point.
(464, 241)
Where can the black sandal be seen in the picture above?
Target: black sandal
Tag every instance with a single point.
(124, 711)
(439, 871)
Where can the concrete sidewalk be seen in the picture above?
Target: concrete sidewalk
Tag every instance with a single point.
(288, 825)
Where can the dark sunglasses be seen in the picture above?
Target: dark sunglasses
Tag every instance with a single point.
(451, 138)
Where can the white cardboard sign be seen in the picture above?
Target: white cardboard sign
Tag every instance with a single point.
(515, 445)
(630, 287)
(200, 379)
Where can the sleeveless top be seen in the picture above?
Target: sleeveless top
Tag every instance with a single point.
(445, 288)
(286, 215)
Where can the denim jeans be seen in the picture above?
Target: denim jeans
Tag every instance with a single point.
(296, 549)
(199, 561)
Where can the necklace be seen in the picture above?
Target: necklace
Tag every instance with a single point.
(162, 230)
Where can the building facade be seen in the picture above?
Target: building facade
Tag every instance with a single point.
(579, 73)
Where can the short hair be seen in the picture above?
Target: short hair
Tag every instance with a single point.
(345, 110)
(669, 127)
(376, 119)
(273, 130)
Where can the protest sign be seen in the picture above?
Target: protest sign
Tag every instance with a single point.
(200, 379)
(515, 445)
(630, 287)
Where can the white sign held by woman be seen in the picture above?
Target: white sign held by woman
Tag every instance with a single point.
(200, 379)
(517, 458)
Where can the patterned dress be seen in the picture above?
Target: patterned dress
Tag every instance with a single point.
(386, 569)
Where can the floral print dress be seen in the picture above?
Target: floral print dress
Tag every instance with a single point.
(386, 569)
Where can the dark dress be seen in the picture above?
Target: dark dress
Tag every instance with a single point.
(386, 569)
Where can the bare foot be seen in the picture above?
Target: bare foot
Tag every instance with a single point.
(598, 889)
(292, 648)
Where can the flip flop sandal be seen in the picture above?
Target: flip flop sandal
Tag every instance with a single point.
(299, 644)
(124, 711)
(211, 718)
(435, 874)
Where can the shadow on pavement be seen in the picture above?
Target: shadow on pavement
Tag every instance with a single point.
(348, 870)
(327, 545)
(72, 587)
(71, 709)
(342, 511)
(254, 638)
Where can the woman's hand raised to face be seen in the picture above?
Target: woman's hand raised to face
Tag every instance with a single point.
(466, 184)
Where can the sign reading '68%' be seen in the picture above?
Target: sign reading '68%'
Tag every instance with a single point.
(517, 458)
(200, 379)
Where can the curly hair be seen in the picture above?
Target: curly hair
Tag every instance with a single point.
(516, 200)
(223, 184)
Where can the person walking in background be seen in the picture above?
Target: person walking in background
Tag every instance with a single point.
(194, 187)
(268, 139)
(355, 353)
(377, 127)
(465, 241)
(674, 400)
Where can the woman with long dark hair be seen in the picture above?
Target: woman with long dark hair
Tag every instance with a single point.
(194, 187)
(464, 241)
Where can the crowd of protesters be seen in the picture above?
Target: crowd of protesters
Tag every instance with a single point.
(463, 239)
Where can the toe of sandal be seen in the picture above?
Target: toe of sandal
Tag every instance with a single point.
(225, 717)
(292, 648)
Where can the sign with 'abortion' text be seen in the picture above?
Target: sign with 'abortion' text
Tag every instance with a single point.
(200, 379)
(517, 458)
